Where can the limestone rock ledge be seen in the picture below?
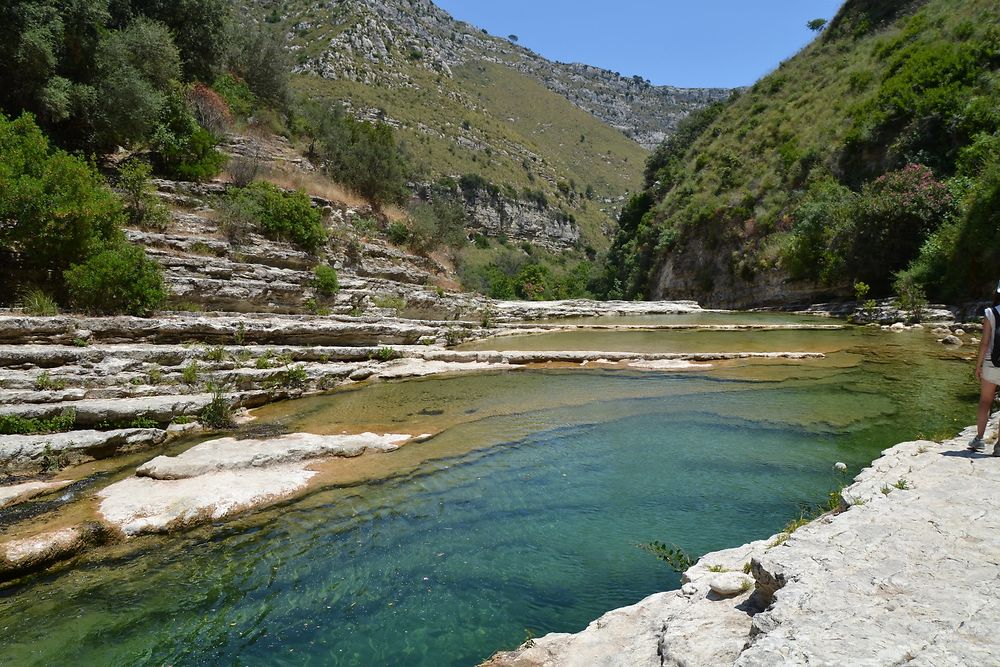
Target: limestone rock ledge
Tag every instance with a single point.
(908, 572)
(222, 477)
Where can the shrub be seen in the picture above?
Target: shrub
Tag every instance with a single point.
(37, 302)
(17, 425)
(279, 215)
(119, 279)
(218, 413)
(209, 108)
(896, 213)
(533, 282)
(142, 206)
(674, 556)
(184, 149)
(191, 372)
(55, 209)
(325, 280)
(236, 94)
(398, 233)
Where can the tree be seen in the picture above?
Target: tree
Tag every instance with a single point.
(816, 25)
(512, 38)
(55, 209)
(118, 279)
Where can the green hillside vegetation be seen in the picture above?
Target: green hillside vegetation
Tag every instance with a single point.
(873, 155)
(454, 127)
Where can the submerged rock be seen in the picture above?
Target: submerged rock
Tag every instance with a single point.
(221, 477)
(37, 551)
(19, 493)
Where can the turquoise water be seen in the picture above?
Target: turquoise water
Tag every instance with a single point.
(522, 517)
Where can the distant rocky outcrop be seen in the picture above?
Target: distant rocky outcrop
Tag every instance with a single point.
(376, 38)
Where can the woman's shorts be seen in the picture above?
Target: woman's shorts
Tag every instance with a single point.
(990, 372)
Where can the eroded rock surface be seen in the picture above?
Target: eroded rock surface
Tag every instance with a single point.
(221, 477)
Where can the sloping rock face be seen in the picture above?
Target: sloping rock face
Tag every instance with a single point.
(907, 573)
(497, 216)
(378, 37)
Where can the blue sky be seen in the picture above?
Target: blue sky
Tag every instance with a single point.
(724, 43)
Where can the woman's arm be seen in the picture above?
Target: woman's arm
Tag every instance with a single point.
(984, 345)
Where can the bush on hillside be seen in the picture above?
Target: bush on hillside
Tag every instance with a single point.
(279, 215)
(142, 206)
(55, 209)
(359, 154)
(119, 279)
(896, 214)
(184, 149)
(325, 280)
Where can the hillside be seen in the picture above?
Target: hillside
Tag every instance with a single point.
(869, 156)
(464, 102)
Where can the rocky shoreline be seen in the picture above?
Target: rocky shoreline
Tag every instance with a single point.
(904, 571)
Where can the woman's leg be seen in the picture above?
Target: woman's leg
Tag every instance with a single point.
(986, 394)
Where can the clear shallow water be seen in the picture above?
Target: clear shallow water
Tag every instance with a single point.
(522, 515)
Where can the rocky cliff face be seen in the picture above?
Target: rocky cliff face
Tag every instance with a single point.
(375, 41)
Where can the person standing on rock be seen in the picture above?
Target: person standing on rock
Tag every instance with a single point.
(988, 372)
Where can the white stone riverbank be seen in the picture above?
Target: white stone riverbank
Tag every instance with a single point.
(907, 573)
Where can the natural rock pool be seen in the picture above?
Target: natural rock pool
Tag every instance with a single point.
(521, 517)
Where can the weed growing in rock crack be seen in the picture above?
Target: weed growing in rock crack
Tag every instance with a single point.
(136, 382)
(384, 354)
(886, 489)
(218, 413)
(454, 336)
(240, 335)
(295, 376)
(747, 567)
(217, 353)
(325, 280)
(264, 361)
(672, 555)
(858, 502)
(191, 373)
(745, 586)
(154, 375)
(45, 382)
(53, 461)
(244, 356)
(396, 303)
(17, 425)
(182, 419)
(717, 568)
(902, 484)
(487, 319)
(795, 524)
(81, 342)
(313, 307)
(778, 540)
(835, 501)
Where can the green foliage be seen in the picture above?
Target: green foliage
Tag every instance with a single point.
(399, 233)
(119, 279)
(259, 59)
(45, 382)
(910, 296)
(436, 224)
(191, 373)
(142, 206)
(279, 215)
(325, 279)
(55, 209)
(35, 301)
(678, 560)
(96, 73)
(236, 93)
(218, 413)
(816, 25)
(184, 149)
(16, 425)
(361, 155)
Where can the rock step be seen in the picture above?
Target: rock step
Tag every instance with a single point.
(225, 328)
